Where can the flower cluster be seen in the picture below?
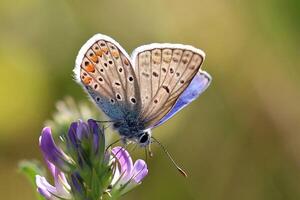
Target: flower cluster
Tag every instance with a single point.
(82, 167)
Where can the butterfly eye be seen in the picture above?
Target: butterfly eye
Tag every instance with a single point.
(144, 138)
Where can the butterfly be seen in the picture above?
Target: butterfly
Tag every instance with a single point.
(140, 92)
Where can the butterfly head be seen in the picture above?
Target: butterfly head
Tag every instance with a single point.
(144, 138)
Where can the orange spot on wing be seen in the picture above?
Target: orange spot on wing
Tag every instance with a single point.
(87, 80)
(126, 62)
(90, 68)
(99, 53)
(105, 50)
(115, 54)
(94, 58)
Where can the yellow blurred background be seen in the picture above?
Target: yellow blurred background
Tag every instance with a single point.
(239, 141)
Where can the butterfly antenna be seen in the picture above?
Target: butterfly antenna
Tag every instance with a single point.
(106, 127)
(124, 147)
(106, 121)
(182, 172)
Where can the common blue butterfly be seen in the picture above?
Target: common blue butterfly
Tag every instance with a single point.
(142, 91)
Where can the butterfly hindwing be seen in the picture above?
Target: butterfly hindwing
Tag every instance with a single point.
(198, 85)
(106, 72)
(164, 71)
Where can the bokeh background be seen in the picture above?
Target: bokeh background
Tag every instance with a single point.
(239, 141)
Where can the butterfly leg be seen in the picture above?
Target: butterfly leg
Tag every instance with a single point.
(125, 141)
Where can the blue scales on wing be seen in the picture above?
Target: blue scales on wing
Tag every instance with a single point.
(198, 85)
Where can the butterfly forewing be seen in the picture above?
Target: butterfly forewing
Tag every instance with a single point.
(164, 71)
(144, 77)
(107, 74)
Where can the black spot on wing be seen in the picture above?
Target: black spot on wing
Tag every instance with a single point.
(166, 88)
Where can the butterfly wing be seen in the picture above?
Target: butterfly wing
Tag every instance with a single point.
(163, 72)
(198, 85)
(105, 71)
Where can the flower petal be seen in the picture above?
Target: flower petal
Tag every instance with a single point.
(51, 167)
(124, 161)
(116, 176)
(44, 193)
(76, 182)
(72, 135)
(137, 174)
(140, 170)
(44, 188)
(95, 131)
(61, 188)
(82, 131)
(41, 187)
(61, 184)
(50, 151)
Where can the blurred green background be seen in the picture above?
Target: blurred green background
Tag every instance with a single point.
(239, 141)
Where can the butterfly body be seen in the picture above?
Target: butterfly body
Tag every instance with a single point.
(129, 128)
(143, 91)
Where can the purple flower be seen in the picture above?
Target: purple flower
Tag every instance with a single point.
(84, 140)
(51, 152)
(127, 175)
(76, 184)
(61, 188)
(85, 170)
